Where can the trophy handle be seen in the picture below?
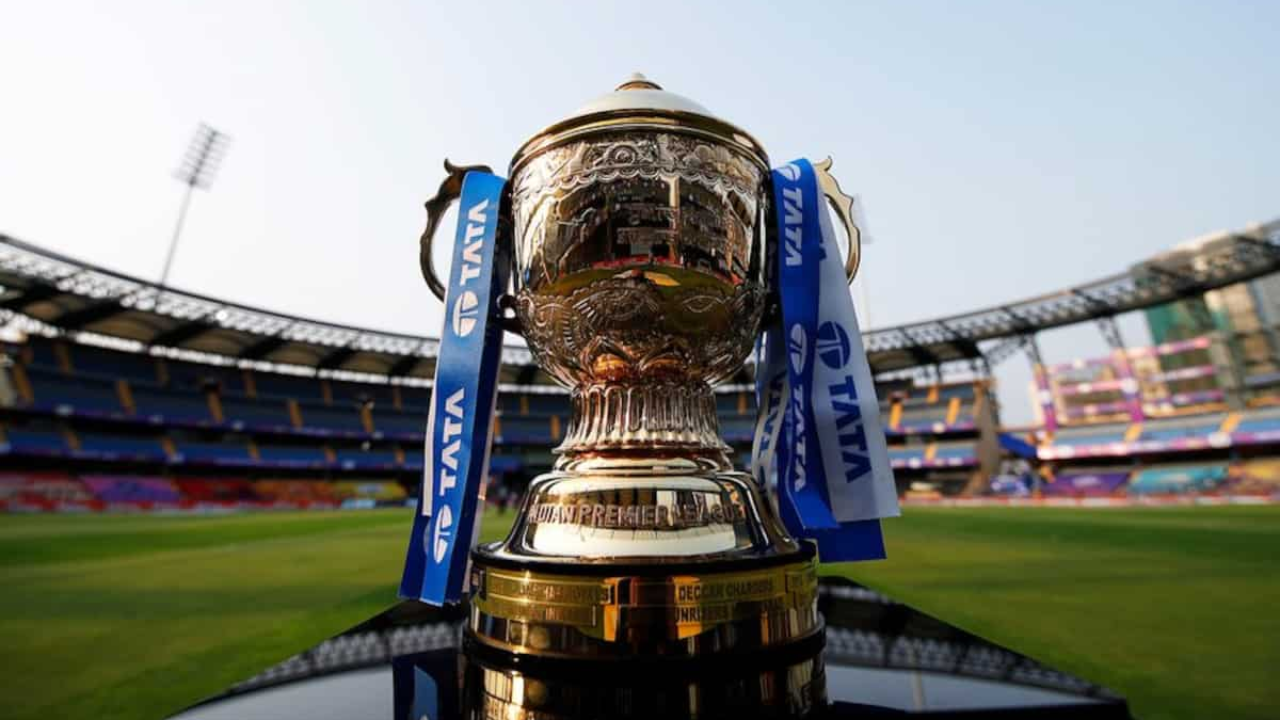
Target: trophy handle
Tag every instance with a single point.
(843, 205)
(450, 190)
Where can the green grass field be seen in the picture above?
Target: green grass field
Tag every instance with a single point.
(136, 617)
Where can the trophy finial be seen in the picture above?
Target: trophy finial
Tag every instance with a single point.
(638, 81)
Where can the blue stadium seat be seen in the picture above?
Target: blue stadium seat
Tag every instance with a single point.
(415, 398)
(726, 404)
(964, 392)
(343, 419)
(1091, 435)
(377, 457)
(350, 393)
(194, 376)
(903, 454)
(525, 430)
(1162, 433)
(956, 451)
(737, 428)
(548, 404)
(230, 451)
(44, 441)
(42, 354)
(275, 385)
(54, 391)
(112, 364)
(256, 413)
(118, 445)
(292, 454)
(191, 405)
(390, 421)
(1259, 421)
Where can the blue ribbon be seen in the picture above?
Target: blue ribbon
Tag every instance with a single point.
(456, 462)
(803, 431)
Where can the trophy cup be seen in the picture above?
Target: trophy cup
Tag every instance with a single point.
(643, 260)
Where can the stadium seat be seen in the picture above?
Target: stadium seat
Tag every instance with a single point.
(400, 423)
(1177, 479)
(350, 393)
(374, 457)
(275, 385)
(525, 430)
(323, 417)
(178, 406)
(40, 441)
(737, 428)
(90, 361)
(197, 451)
(54, 391)
(1166, 430)
(265, 413)
(1258, 421)
(119, 445)
(415, 398)
(964, 453)
(189, 376)
(291, 454)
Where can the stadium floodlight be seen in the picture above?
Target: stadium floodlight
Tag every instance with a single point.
(197, 170)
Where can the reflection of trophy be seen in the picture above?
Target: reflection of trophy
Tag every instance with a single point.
(638, 230)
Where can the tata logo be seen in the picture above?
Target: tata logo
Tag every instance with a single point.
(792, 217)
(446, 464)
(466, 310)
(833, 345)
(442, 535)
(797, 348)
(472, 261)
(852, 436)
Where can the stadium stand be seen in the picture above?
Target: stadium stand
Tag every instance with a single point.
(113, 377)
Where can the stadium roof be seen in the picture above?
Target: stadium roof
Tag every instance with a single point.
(73, 296)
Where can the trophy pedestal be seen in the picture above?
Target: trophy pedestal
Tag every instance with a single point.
(619, 557)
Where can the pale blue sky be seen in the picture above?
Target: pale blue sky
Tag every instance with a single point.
(1002, 149)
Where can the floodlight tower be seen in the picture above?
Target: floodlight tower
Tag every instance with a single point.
(200, 164)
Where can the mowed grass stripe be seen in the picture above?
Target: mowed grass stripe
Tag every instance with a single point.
(1174, 607)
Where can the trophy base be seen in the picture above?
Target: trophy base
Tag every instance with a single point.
(626, 559)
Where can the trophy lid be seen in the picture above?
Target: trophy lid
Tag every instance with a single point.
(640, 104)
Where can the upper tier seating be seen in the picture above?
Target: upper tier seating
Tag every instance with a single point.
(264, 413)
(345, 419)
(390, 421)
(36, 440)
(350, 394)
(121, 445)
(292, 454)
(1257, 421)
(356, 457)
(1192, 427)
(89, 361)
(227, 451)
(172, 405)
(54, 391)
(274, 385)
(962, 452)
(1091, 435)
(1178, 479)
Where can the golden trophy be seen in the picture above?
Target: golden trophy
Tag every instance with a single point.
(640, 235)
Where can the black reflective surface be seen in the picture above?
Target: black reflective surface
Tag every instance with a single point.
(881, 659)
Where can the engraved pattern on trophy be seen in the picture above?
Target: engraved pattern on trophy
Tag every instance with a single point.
(639, 260)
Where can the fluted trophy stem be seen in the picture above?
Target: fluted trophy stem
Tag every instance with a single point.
(670, 415)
